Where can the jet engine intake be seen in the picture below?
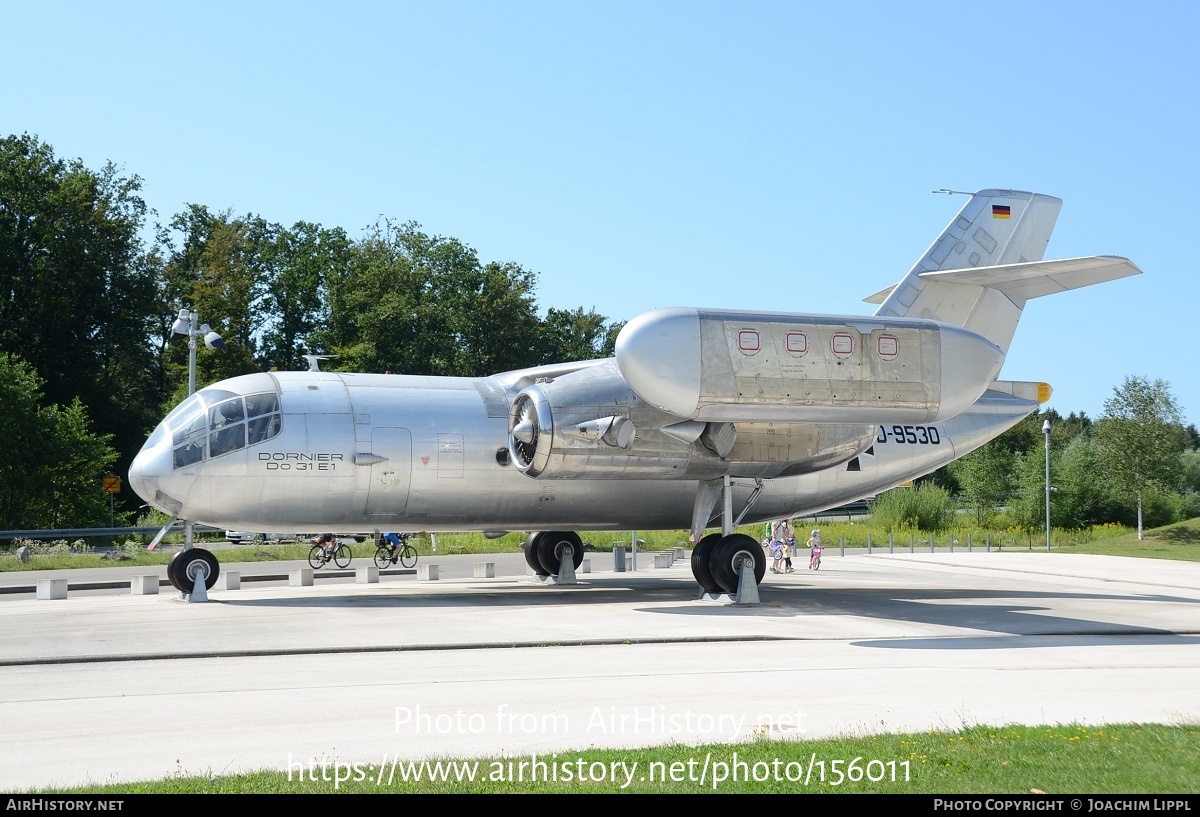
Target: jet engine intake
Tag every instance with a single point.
(589, 424)
(531, 431)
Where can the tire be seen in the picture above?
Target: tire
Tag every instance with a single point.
(316, 557)
(185, 564)
(549, 544)
(726, 555)
(172, 576)
(531, 558)
(383, 557)
(342, 556)
(701, 561)
(408, 556)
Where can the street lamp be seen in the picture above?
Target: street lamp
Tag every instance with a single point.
(188, 325)
(1046, 431)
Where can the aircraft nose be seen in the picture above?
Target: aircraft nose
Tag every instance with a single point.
(146, 472)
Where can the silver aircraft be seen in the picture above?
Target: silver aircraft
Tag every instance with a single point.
(705, 418)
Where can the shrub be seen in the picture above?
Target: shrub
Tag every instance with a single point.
(924, 507)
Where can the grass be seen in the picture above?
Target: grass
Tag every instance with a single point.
(1180, 541)
(1076, 759)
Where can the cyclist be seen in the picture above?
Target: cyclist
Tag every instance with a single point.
(396, 540)
(815, 546)
(328, 543)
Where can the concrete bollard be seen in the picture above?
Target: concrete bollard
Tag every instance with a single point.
(664, 559)
(146, 585)
(51, 588)
(229, 580)
(366, 574)
(300, 577)
(585, 566)
(485, 570)
(427, 573)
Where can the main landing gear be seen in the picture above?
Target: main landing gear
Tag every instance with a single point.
(717, 560)
(726, 562)
(554, 553)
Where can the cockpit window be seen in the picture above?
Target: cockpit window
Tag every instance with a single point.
(260, 404)
(231, 411)
(186, 407)
(189, 429)
(199, 433)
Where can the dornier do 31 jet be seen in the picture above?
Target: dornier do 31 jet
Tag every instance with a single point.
(705, 418)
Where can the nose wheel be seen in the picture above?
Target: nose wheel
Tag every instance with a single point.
(188, 565)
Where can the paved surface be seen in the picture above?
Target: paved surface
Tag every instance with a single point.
(109, 686)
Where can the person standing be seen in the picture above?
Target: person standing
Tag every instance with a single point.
(788, 537)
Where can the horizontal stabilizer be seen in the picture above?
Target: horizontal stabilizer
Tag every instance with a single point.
(1037, 278)
(880, 296)
(1034, 279)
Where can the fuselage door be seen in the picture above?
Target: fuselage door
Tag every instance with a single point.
(390, 474)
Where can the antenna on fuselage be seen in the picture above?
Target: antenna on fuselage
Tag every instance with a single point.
(314, 361)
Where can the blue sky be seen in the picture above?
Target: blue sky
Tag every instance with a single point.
(761, 155)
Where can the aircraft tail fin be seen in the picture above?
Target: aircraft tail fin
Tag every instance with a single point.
(986, 264)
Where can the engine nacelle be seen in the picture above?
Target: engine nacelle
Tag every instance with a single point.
(589, 424)
(586, 424)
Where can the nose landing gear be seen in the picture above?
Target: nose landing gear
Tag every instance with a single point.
(192, 572)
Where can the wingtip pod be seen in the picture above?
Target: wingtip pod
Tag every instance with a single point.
(659, 354)
(726, 366)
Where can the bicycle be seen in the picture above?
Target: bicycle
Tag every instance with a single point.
(319, 556)
(406, 554)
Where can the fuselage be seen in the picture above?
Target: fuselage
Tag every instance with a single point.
(316, 450)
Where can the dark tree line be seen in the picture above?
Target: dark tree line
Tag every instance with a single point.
(87, 304)
(1136, 463)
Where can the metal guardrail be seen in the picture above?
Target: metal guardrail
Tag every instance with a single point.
(83, 533)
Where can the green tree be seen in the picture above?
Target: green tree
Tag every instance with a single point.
(1027, 509)
(78, 297)
(985, 479)
(51, 462)
(569, 335)
(412, 303)
(1139, 438)
(1083, 500)
(297, 265)
(214, 267)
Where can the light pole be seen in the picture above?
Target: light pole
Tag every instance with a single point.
(188, 325)
(1046, 431)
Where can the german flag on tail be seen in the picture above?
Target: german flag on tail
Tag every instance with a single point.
(1001, 211)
